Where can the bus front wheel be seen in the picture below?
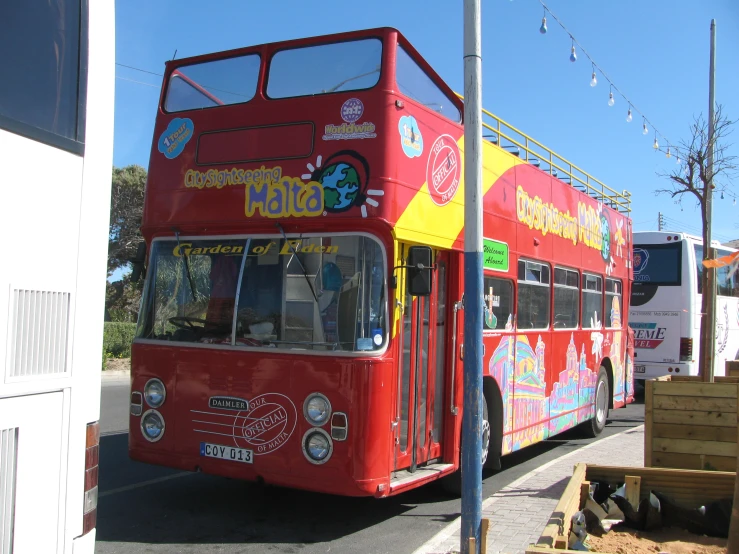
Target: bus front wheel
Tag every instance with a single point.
(452, 484)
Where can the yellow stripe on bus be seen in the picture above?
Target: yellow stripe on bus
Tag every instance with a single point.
(425, 222)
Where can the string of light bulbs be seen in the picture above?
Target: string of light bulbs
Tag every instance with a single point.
(573, 57)
(594, 81)
(670, 149)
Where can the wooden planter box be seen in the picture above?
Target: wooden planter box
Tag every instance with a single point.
(732, 368)
(689, 424)
(688, 488)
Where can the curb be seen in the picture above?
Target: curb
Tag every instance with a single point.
(435, 544)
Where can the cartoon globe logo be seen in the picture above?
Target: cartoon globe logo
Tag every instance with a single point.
(605, 230)
(341, 186)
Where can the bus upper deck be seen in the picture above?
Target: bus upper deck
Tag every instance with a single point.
(247, 136)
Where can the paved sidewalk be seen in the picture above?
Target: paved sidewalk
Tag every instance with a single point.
(519, 512)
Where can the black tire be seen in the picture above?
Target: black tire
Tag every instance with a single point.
(595, 426)
(452, 484)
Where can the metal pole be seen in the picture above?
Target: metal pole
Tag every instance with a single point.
(710, 289)
(473, 294)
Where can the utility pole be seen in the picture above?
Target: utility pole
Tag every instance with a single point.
(709, 286)
(472, 413)
(660, 221)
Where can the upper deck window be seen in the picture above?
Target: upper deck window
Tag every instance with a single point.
(215, 83)
(325, 68)
(417, 85)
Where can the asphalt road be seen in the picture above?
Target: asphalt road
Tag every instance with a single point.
(150, 509)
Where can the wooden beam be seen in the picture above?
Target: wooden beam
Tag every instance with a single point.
(484, 536)
(633, 490)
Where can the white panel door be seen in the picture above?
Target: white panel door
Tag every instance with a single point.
(34, 522)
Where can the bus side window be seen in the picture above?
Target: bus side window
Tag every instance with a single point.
(534, 293)
(566, 298)
(725, 285)
(613, 303)
(592, 301)
(498, 296)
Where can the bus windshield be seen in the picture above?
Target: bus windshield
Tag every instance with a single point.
(658, 264)
(316, 293)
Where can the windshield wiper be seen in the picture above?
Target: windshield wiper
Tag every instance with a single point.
(345, 81)
(187, 267)
(302, 267)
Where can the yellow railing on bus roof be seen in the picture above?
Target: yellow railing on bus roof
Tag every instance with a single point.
(545, 159)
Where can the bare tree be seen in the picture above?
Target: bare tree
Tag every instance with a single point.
(695, 175)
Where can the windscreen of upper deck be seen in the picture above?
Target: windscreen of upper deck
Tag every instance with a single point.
(294, 72)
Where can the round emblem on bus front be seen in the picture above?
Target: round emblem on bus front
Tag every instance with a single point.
(443, 170)
(267, 425)
(352, 110)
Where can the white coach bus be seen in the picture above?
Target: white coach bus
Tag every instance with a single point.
(666, 306)
(57, 78)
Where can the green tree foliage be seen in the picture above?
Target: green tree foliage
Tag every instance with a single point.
(126, 208)
(122, 300)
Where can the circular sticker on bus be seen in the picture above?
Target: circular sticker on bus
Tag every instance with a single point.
(267, 425)
(443, 170)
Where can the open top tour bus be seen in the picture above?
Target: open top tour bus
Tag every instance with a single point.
(302, 316)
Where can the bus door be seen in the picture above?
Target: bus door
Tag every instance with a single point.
(421, 372)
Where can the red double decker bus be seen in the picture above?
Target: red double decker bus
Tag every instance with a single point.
(301, 319)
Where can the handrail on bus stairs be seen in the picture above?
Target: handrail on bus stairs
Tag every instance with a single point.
(579, 179)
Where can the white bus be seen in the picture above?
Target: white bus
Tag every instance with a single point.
(666, 306)
(57, 81)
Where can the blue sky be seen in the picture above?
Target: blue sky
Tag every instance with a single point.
(656, 52)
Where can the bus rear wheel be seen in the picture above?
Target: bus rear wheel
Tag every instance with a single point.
(594, 427)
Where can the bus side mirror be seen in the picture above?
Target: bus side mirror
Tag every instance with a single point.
(138, 262)
(419, 270)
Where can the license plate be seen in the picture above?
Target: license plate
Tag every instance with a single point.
(640, 369)
(226, 452)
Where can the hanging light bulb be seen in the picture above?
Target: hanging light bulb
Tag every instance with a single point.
(656, 144)
(645, 130)
(611, 101)
(678, 159)
(722, 195)
(593, 80)
(668, 155)
(543, 28)
(573, 55)
(735, 200)
(629, 117)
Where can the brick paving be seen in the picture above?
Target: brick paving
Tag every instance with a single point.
(519, 512)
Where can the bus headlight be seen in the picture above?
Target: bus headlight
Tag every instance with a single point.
(155, 393)
(317, 446)
(317, 409)
(152, 426)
